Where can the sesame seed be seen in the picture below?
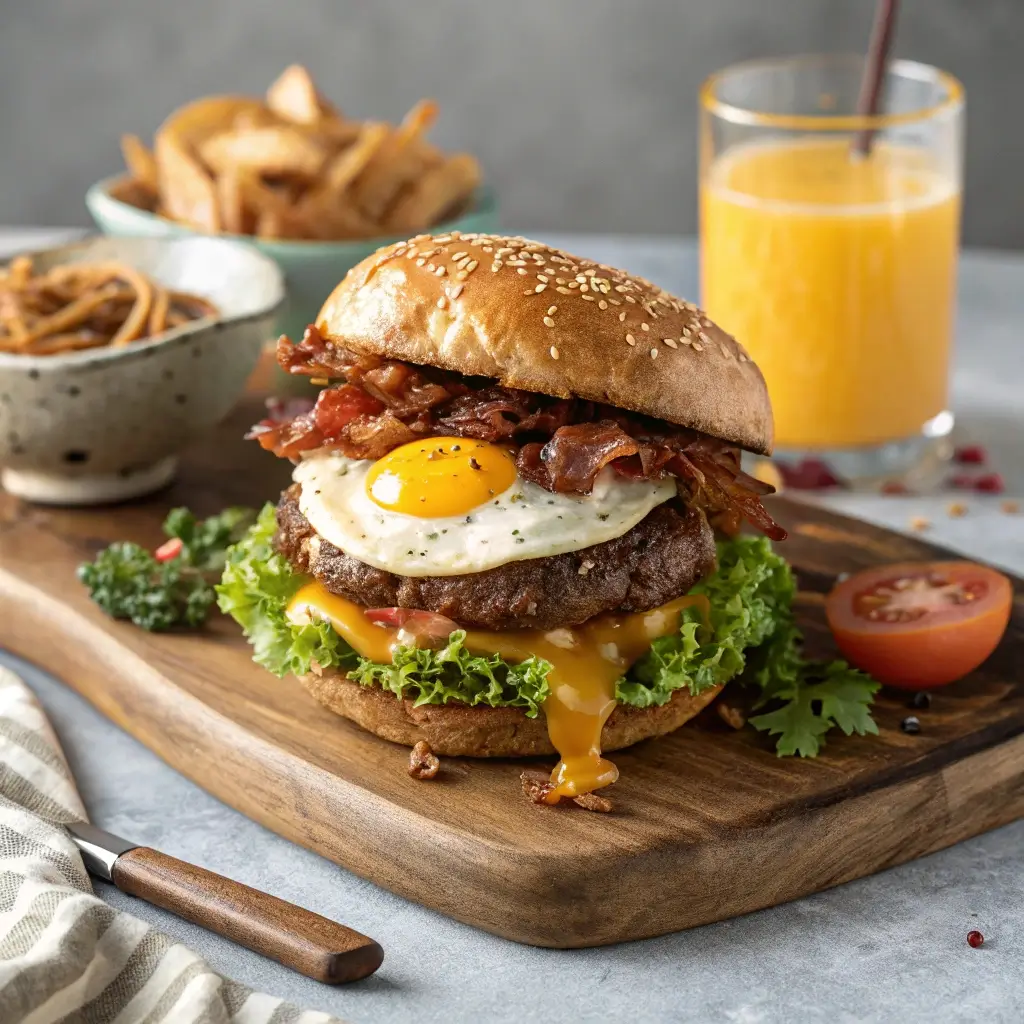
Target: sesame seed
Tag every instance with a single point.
(744, 358)
(488, 248)
(671, 342)
(455, 292)
(541, 277)
(602, 304)
(588, 298)
(539, 289)
(411, 254)
(559, 280)
(442, 238)
(495, 267)
(645, 327)
(703, 337)
(630, 299)
(584, 287)
(554, 352)
(420, 262)
(548, 322)
(726, 353)
(521, 270)
(442, 302)
(685, 341)
(622, 317)
(461, 276)
(563, 291)
(654, 353)
(686, 332)
(441, 271)
(591, 272)
(552, 310)
(573, 284)
(472, 266)
(529, 291)
(621, 288)
(459, 256)
(698, 347)
(582, 278)
(630, 339)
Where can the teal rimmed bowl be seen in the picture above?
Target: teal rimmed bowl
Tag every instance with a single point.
(311, 269)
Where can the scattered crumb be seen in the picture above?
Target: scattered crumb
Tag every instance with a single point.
(537, 786)
(894, 487)
(593, 802)
(919, 524)
(731, 715)
(585, 567)
(1010, 508)
(956, 510)
(423, 762)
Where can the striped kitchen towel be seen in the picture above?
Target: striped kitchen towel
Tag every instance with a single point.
(64, 954)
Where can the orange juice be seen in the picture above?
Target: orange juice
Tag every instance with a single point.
(838, 275)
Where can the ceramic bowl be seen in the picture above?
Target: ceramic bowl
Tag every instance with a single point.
(106, 424)
(311, 269)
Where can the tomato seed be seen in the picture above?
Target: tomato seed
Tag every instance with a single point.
(975, 939)
(911, 725)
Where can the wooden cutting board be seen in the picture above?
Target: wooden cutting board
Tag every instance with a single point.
(708, 822)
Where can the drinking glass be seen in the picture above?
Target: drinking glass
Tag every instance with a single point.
(829, 249)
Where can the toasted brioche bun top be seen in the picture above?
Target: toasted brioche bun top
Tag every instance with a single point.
(540, 319)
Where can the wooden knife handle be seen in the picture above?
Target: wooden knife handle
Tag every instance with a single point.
(298, 938)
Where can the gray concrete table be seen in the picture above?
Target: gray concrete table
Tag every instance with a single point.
(887, 948)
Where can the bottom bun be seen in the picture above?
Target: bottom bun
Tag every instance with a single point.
(459, 730)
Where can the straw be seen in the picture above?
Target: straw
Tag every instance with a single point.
(882, 32)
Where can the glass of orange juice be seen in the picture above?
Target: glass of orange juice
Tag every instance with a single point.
(833, 262)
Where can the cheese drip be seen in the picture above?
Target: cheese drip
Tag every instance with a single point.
(586, 662)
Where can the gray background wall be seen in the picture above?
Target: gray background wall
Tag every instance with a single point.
(583, 111)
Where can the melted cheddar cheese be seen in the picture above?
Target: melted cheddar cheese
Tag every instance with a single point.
(586, 662)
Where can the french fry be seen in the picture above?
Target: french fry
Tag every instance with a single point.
(187, 191)
(270, 152)
(140, 161)
(394, 163)
(230, 202)
(440, 190)
(293, 96)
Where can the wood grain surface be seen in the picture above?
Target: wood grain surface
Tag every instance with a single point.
(708, 822)
(306, 942)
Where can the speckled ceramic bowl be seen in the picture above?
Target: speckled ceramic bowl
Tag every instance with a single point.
(106, 424)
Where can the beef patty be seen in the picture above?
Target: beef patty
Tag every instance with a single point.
(661, 558)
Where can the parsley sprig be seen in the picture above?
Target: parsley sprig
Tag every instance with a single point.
(173, 587)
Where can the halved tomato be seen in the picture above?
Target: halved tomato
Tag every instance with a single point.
(916, 625)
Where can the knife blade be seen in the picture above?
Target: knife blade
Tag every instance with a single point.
(306, 942)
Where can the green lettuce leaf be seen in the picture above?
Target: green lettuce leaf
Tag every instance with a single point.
(751, 635)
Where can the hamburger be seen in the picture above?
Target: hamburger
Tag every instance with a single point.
(514, 526)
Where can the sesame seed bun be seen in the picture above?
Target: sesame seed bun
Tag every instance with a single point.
(542, 320)
(458, 730)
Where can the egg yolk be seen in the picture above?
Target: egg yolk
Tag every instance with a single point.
(440, 476)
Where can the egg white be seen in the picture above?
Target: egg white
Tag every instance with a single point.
(524, 521)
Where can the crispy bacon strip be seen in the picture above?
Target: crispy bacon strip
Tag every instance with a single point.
(563, 443)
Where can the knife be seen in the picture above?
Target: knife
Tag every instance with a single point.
(306, 942)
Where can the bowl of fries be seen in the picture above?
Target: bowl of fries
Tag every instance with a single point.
(116, 353)
(313, 189)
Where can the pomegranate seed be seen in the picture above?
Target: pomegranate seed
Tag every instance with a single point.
(962, 481)
(168, 550)
(990, 483)
(975, 939)
(970, 455)
(809, 475)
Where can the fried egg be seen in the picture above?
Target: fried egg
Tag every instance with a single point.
(447, 506)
